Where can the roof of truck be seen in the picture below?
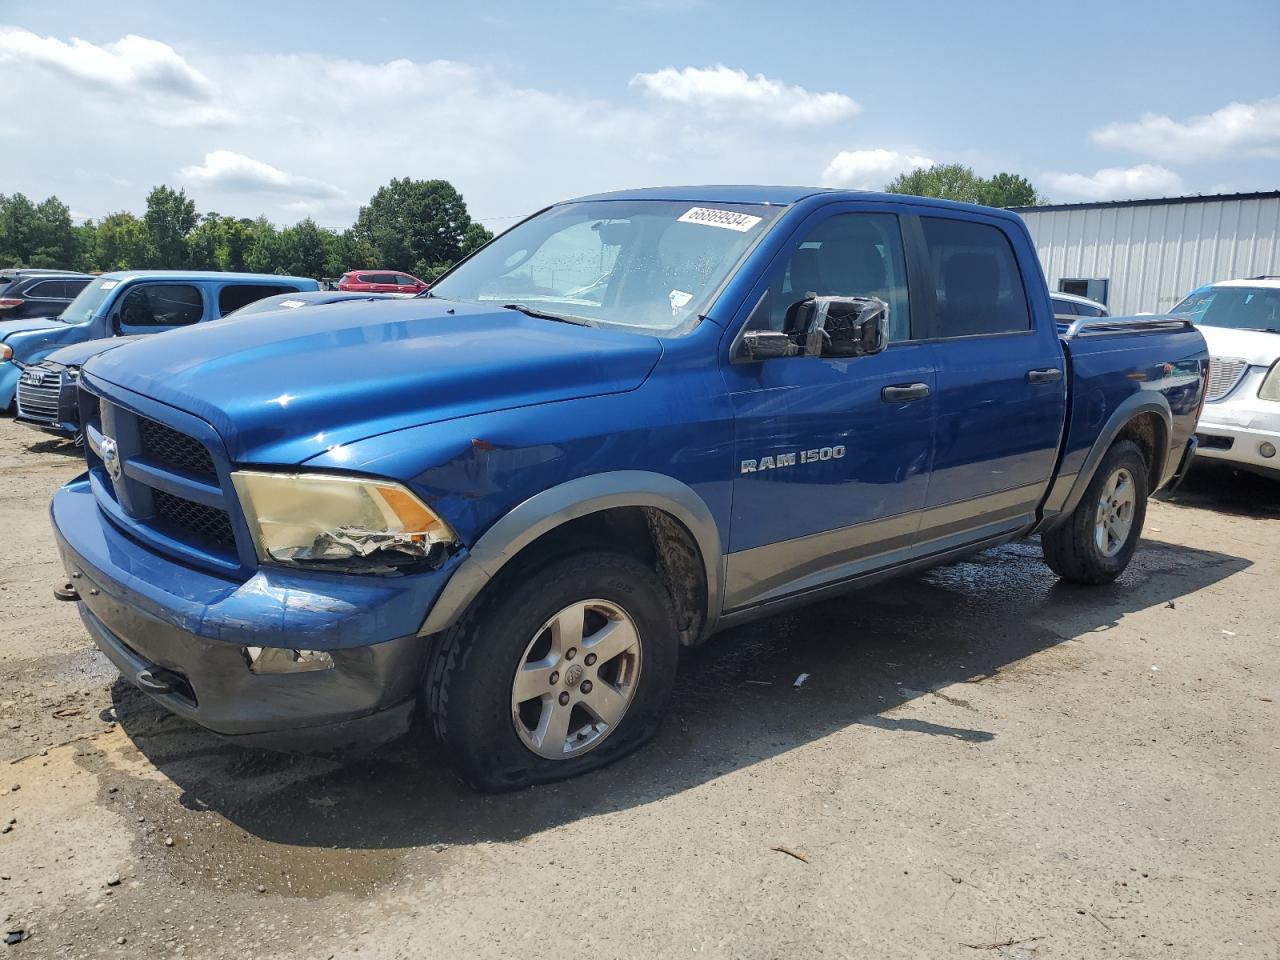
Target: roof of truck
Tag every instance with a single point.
(204, 275)
(777, 196)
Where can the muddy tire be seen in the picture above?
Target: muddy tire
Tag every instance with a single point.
(1097, 540)
(554, 671)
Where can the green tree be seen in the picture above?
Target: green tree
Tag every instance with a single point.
(409, 222)
(304, 249)
(123, 243)
(170, 217)
(86, 247)
(955, 181)
(55, 236)
(475, 237)
(18, 230)
(1010, 190)
(262, 253)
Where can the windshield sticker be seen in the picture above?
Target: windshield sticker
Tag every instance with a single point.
(725, 219)
(107, 284)
(292, 303)
(678, 299)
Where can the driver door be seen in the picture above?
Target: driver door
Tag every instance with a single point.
(831, 469)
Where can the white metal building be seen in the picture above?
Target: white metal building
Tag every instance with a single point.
(1143, 256)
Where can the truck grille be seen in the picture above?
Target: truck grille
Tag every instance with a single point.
(173, 449)
(1224, 374)
(38, 392)
(208, 524)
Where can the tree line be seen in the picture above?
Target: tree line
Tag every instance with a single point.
(418, 226)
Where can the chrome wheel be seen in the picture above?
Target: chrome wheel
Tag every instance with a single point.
(1114, 518)
(576, 680)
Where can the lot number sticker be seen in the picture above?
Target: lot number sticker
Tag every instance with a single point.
(725, 219)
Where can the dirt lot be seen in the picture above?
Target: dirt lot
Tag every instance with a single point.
(982, 764)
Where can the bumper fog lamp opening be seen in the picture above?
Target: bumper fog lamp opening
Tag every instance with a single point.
(273, 660)
(1267, 449)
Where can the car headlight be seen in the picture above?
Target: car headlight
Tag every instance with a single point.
(73, 373)
(1270, 389)
(6, 352)
(326, 519)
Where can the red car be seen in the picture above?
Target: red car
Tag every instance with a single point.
(381, 281)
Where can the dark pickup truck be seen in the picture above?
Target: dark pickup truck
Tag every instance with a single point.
(630, 421)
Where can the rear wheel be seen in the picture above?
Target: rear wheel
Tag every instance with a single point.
(1097, 540)
(555, 672)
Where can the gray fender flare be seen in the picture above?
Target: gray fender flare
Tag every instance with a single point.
(557, 505)
(1066, 494)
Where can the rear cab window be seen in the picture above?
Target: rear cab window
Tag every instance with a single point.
(977, 282)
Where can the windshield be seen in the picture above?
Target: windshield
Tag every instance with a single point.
(1241, 308)
(86, 304)
(651, 264)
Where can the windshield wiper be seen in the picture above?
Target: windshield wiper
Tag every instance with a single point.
(1260, 329)
(543, 315)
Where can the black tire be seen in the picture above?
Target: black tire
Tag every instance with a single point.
(1071, 549)
(468, 682)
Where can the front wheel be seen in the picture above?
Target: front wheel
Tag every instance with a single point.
(556, 671)
(1097, 540)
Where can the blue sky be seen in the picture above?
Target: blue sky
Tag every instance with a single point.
(296, 109)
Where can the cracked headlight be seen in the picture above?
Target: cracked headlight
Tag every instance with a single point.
(325, 519)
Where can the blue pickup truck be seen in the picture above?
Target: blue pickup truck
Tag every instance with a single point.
(131, 303)
(632, 420)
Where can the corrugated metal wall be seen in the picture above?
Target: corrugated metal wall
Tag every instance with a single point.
(1156, 254)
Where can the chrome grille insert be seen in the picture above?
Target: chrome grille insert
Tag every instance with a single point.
(39, 390)
(1224, 374)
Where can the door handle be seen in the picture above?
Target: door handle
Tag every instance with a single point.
(902, 392)
(1047, 375)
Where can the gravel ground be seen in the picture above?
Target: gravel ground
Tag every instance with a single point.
(982, 763)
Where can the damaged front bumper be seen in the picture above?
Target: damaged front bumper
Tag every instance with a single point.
(197, 642)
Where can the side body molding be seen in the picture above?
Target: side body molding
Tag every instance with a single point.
(1067, 491)
(547, 510)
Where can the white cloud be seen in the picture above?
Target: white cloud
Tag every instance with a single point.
(1116, 183)
(722, 92)
(130, 65)
(869, 169)
(1253, 128)
(234, 172)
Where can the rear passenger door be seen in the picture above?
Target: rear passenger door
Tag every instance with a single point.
(1002, 389)
(236, 295)
(46, 298)
(156, 307)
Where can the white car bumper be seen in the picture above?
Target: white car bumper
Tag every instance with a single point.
(1241, 428)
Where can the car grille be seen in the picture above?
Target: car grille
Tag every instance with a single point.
(1224, 374)
(38, 393)
(173, 449)
(208, 524)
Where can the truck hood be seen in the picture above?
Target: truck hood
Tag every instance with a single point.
(283, 387)
(23, 324)
(76, 354)
(1259, 348)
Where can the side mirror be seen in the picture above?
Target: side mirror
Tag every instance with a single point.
(115, 324)
(845, 326)
(766, 345)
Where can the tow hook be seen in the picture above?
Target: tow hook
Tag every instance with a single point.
(66, 592)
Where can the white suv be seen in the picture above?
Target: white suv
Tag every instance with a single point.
(1240, 320)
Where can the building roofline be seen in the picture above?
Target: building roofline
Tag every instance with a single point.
(1151, 202)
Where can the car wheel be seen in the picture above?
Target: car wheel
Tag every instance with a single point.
(1097, 540)
(554, 672)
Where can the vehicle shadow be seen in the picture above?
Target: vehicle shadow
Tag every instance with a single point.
(1217, 486)
(738, 701)
(66, 448)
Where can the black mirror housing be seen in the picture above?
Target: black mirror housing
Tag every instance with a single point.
(847, 326)
(766, 345)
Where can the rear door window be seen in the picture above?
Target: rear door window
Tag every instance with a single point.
(1063, 308)
(976, 279)
(47, 290)
(162, 305)
(236, 295)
